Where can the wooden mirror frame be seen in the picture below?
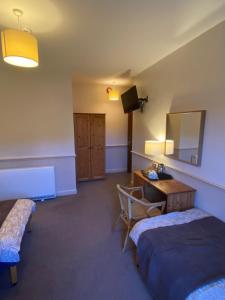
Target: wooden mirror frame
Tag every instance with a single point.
(201, 135)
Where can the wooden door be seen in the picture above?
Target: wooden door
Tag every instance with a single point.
(129, 142)
(83, 146)
(97, 122)
(90, 145)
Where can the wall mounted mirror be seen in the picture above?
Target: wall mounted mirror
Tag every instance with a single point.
(186, 130)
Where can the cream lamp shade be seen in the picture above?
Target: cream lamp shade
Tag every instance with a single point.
(169, 147)
(113, 94)
(19, 48)
(154, 148)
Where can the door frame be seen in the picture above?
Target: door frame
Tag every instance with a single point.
(129, 142)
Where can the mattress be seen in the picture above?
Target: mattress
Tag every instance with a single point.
(213, 290)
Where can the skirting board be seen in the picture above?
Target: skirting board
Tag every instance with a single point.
(116, 171)
(66, 192)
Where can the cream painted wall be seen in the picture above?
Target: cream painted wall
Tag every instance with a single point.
(36, 123)
(92, 98)
(191, 78)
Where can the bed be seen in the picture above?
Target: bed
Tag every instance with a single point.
(15, 216)
(181, 255)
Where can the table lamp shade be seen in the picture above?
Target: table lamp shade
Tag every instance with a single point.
(169, 148)
(19, 48)
(154, 148)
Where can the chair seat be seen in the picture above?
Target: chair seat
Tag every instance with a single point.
(138, 211)
(155, 212)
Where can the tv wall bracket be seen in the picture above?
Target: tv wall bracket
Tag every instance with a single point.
(142, 102)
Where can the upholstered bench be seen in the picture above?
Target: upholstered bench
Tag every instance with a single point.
(15, 217)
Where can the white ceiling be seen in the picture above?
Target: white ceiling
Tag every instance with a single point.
(102, 39)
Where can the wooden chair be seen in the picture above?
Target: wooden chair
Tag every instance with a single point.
(134, 209)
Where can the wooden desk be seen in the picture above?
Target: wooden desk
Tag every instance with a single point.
(178, 196)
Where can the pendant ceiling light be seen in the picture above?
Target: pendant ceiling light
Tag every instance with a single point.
(19, 48)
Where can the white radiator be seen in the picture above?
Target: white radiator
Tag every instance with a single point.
(35, 183)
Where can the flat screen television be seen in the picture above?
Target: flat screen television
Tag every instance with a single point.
(130, 100)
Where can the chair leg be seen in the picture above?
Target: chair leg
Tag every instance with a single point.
(126, 239)
(13, 275)
(116, 222)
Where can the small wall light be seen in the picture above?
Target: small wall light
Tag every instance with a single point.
(169, 147)
(113, 94)
(154, 148)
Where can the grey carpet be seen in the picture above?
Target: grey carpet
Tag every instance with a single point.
(72, 252)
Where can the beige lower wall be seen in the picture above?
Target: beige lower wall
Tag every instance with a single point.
(65, 179)
(116, 158)
(209, 196)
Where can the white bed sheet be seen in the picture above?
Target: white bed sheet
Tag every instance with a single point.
(212, 291)
(170, 219)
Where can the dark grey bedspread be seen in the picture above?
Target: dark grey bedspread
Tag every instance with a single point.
(176, 260)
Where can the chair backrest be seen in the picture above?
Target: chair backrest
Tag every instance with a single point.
(134, 208)
(125, 201)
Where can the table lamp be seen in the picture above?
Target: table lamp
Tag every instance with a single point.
(154, 148)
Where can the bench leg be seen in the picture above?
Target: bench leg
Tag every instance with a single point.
(29, 227)
(13, 275)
